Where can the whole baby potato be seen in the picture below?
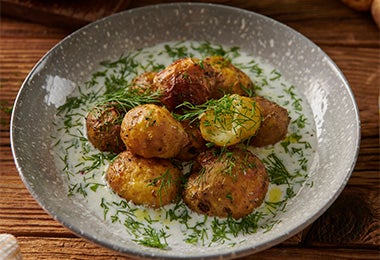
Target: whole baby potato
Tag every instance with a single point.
(186, 79)
(103, 125)
(144, 81)
(230, 183)
(150, 182)
(274, 124)
(229, 78)
(151, 131)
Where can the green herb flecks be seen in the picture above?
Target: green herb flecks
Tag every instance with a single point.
(128, 98)
(176, 51)
(207, 49)
(164, 182)
(278, 174)
(153, 238)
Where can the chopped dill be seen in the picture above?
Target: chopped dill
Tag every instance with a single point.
(153, 238)
(198, 232)
(164, 181)
(207, 49)
(176, 52)
(276, 75)
(278, 174)
(128, 98)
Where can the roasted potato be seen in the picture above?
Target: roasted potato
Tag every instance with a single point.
(230, 120)
(274, 125)
(196, 142)
(144, 81)
(186, 79)
(230, 183)
(103, 124)
(151, 131)
(150, 182)
(229, 78)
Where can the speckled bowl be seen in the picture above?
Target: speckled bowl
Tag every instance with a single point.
(74, 59)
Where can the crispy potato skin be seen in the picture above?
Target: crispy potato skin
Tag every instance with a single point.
(103, 126)
(221, 189)
(274, 125)
(150, 182)
(151, 131)
(196, 142)
(185, 79)
(229, 78)
(144, 81)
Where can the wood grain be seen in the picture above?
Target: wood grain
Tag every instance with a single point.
(349, 229)
(70, 14)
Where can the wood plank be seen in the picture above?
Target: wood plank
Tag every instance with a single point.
(77, 248)
(71, 14)
(310, 19)
(353, 220)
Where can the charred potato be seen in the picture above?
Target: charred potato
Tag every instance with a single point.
(151, 131)
(103, 124)
(229, 79)
(150, 182)
(186, 79)
(274, 125)
(232, 183)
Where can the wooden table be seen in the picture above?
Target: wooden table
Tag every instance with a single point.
(348, 230)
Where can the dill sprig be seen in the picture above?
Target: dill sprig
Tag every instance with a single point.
(221, 107)
(153, 238)
(177, 51)
(208, 49)
(165, 181)
(278, 174)
(128, 98)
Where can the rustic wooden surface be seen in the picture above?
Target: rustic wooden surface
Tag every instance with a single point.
(350, 229)
(62, 13)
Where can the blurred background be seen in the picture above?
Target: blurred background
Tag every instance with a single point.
(72, 14)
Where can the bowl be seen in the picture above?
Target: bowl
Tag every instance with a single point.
(319, 82)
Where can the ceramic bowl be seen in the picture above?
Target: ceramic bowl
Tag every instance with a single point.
(71, 61)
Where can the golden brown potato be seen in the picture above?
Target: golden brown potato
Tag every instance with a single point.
(233, 183)
(229, 79)
(151, 182)
(230, 120)
(144, 81)
(186, 79)
(196, 142)
(103, 125)
(151, 131)
(274, 125)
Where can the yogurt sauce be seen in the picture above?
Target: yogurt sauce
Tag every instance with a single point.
(287, 162)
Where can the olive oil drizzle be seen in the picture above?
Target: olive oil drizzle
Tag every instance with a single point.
(115, 77)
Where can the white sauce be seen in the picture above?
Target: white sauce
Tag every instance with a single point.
(92, 190)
